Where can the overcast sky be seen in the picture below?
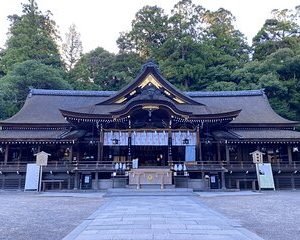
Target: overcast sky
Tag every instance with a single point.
(101, 21)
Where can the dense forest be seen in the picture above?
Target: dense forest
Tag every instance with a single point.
(196, 49)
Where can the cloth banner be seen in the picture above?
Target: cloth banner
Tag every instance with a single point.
(116, 138)
(183, 138)
(190, 153)
(149, 138)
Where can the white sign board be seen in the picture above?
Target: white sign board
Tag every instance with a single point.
(265, 176)
(32, 177)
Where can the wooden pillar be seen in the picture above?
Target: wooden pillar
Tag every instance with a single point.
(78, 154)
(170, 143)
(223, 180)
(97, 180)
(129, 140)
(20, 154)
(290, 155)
(3, 181)
(71, 153)
(19, 182)
(100, 145)
(199, 149)
(227, 154)
(76, 180)
(293, 182)
(69, 182)
(238, 184)
(219, 152)
(6, 154)
(162, 181)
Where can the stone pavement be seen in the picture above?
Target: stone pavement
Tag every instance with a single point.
(158, 217)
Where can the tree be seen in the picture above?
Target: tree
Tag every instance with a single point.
(102, 70)
(15, 85)
(32, 36)
(221, 34)
(280, 31)
(72, 47)
(149, 31)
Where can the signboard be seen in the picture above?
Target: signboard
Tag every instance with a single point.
(42, 158)
(32, 177)
(265, 176)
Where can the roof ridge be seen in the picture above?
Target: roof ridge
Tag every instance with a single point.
(109, 93)
(70, 92)
(258, 92)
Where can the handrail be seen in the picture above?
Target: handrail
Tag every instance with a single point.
(111, 164)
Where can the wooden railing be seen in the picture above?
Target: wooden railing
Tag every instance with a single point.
(110, 165)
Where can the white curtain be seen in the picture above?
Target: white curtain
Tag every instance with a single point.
(149, 138)
(183, 138)
(110, 138)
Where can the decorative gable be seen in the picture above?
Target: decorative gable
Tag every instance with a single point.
(150, 77)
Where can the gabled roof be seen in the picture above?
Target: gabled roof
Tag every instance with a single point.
(150, 75)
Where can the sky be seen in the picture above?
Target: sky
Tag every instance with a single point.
(101, 21)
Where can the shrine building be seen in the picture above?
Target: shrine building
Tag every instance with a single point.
(148, 133)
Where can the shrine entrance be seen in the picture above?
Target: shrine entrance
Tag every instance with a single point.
(151, 156)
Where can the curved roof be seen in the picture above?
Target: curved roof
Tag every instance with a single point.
(255, 106)
(42, 106)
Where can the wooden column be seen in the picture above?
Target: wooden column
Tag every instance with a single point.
(97, 180)
(170, 143)
(227, 154)
(71, 153)
(100, 145)
(223, 180)
(76, 180)
(20, 154)
(219, 152)
(129, 140)
(290, 155)
(6, 154)
(199, 149)
(293, 182)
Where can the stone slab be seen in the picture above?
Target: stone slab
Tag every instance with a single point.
(158, 217)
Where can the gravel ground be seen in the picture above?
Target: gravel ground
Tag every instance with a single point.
(271, 215)
(35, 216)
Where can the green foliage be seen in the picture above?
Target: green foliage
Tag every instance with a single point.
(101, 70)
(31, 37)
(15, 85)
(149, 31)
(281, 31)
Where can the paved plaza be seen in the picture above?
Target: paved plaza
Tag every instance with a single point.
(158, 217)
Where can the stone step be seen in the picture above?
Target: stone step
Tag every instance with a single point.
(128, 192)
